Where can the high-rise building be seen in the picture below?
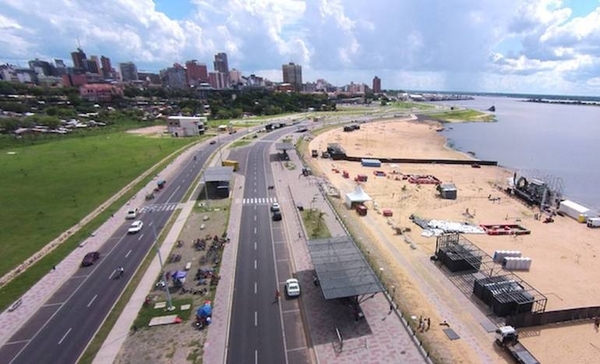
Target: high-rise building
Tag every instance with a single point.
(174, 77)
(292, 74)
(218, 80)
(235, 77)
(41, 67)
(197, 73)
(106, 67)
(221, 64)
(61, 68)
(97, 66)
(91, 66)
(376, 85)
(79, 59)
(128, 72)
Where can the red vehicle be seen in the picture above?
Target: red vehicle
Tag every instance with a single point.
(361, 210)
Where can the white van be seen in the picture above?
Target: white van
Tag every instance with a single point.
(593, 222)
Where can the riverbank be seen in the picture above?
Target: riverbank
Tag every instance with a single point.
(561, 271)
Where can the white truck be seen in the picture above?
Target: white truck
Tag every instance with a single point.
(508, 339)
(593, 222)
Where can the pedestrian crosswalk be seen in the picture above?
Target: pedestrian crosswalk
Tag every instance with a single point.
(160, 207)
(259, 201)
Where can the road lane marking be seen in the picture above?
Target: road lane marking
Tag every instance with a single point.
(141, 236)
(255, 263)
(255, 230)
(255, 287)
(92, 301)
(174, 192)
(255, 356)
(183, 181)
(254, 245)
(127, 255)
(254, 217)
(53, 304)
(17, 342)
(151, 222)
(65, 335)
(255, 319)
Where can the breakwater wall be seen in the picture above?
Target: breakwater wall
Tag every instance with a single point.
(417, 160)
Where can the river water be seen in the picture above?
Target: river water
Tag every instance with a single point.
(561, 142)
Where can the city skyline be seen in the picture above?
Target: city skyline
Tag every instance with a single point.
(533, 46)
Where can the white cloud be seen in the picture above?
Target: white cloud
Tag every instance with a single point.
(429, 44)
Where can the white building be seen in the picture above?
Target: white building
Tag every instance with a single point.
(181, 126)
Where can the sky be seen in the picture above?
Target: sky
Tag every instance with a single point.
(512, 46)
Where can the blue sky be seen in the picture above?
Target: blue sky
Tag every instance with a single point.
(524, 46)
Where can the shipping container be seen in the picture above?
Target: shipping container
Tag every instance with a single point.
(574, 210)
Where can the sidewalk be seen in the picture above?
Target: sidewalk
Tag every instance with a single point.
(34, 298)
(384, 337)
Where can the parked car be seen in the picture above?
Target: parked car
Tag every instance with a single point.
(277, 216)
(135, 227)
(275, 207)
(292, 287)
(212, 142)
(90, 258)
(132, 214)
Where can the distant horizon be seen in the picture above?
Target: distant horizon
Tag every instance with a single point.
(511, 46)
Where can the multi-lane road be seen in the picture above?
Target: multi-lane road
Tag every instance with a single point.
(258, 319)
(63, 326)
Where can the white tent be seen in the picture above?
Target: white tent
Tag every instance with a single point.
(359, 195)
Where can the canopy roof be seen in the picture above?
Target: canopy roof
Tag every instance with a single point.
(341, 268)
(359, 195)
(218, 174)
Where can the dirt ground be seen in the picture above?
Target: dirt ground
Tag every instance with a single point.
(180, 343)
(564, 253)
(150, 130)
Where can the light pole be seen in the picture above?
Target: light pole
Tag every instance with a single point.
(164, 273)
(380, 273)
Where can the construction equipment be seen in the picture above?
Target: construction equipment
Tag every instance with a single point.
(508, 339)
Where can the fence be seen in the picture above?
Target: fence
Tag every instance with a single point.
(552, 317)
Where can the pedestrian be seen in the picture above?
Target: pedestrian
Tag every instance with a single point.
(428, 323)
(596, 323)
(121, 271)
(53, 268)
(277, 295)
(299, 235)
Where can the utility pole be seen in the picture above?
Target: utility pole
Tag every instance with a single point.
(164, 273)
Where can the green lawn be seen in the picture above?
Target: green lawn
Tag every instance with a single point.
(47, 188)
(315, 224)
(463, 115)
(411, 105)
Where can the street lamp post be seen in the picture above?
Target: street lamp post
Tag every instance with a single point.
(164, 273)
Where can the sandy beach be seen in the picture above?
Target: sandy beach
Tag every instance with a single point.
(564, 253)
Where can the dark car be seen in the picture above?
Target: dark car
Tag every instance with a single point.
(212, 142)
(90, 258)
(277, 216)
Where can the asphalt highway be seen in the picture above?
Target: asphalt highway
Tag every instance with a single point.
(60, 331)
(256, 327)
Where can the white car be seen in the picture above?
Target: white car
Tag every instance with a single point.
(275, 207)
(135, 227)
(131, 214)
(292, 287)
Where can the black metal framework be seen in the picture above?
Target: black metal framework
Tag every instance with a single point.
(505, 292)
(341, 269)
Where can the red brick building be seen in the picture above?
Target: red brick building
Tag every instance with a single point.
(99, 92)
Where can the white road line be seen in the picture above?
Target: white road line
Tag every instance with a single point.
(255, 230)
(254, 217)
(92, 301)
(255, 264)
(174, 192)
(141, 236)
(183, 180)
(255, 287)
(111, 274)
(65, 335)
(254, 245)
(255, 356)
(255, 319)
(127, 255)
(255, 190)
(150, 224)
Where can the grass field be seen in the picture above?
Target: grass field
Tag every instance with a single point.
(47, 188)
(411, 105)
(463, 115)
